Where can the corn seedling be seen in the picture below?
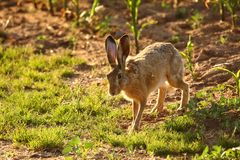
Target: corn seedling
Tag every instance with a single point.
(175, 3)
(94, 5)
(77, 12)
(223, 39)
(3, 27)
(221, 7)
(181, 12)
(65, 5)
(187, 55)
(236, 77)
(50, 2)
(103, 26)
(35, 4)
(133, 7)
(196, 20)
(232, 6)
(175, 39)
(165, 5)
(134, 26)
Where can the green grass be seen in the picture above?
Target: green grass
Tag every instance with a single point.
(39, 109)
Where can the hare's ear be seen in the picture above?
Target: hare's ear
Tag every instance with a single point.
(123, 50)
(111, 49)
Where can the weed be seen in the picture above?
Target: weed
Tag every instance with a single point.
(42, 38)
(78, 147)
(72, 41)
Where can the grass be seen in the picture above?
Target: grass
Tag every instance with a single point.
(40, 110)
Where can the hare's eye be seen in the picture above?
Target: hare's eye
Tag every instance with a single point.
(119, 76)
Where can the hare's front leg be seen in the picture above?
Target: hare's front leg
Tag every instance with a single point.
(135, 108)
(160, 100)
(136, 122)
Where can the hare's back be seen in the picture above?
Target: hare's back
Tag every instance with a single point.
(157, 53)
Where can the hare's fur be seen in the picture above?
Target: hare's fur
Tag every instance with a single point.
(155, 67)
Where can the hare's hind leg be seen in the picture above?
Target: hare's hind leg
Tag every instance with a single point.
(177, 82)
(160, 100)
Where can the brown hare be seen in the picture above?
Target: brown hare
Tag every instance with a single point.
(156, 67)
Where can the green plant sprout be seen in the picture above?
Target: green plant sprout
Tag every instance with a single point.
(222, 9)
(232, 6)
(94, 5)
(218, 152)
(65, 5)
(187, 55)
(133, 6)
(165, 5)
(77, 12)
(51, 7)
(79, 147)
(35, 4)
(195, 20)
(103, 26)
(223, 39)
(236, 77)
(85, 17)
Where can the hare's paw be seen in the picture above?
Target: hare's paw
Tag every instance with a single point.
(133, 128)
(157, 108)
(160, 111)
(181, 110)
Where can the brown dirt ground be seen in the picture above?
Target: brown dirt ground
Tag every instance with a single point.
(26, 24)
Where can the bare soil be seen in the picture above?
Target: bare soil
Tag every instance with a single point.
(27, 23)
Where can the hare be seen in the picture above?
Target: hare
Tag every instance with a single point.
(156, 67)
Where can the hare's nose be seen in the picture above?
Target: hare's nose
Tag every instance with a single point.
(112, 93)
